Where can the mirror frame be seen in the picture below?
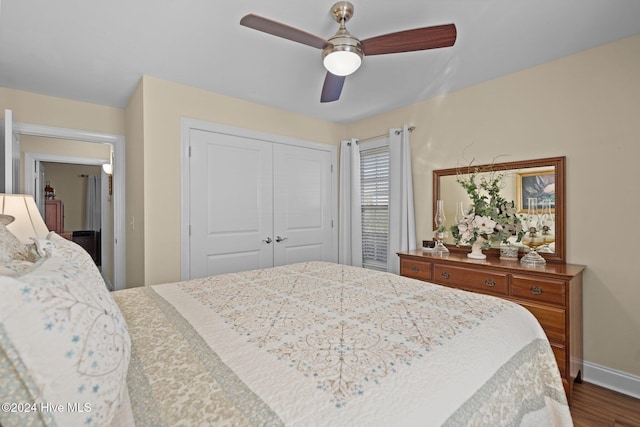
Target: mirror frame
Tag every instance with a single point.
(560, 210)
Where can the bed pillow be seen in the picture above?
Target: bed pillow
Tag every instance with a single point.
(57, 245)
(63, 341)
(18, 267)
(11, 248)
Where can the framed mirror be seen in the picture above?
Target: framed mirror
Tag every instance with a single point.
(522, 180)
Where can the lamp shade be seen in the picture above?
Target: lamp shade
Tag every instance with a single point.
(28, 222)
(6, 219)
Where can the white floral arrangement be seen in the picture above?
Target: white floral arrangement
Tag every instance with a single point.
(490, 218)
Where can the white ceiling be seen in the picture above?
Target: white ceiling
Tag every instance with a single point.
(96, 51)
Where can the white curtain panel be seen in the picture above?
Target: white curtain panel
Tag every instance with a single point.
(402, 222)
(350, 235)
(93, 208)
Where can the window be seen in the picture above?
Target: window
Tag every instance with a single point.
(374, 187)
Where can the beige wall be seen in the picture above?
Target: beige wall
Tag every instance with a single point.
(64, 147)
(45, 110)
(165, 103)
(585, 107)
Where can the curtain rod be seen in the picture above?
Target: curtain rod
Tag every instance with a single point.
(398, 132)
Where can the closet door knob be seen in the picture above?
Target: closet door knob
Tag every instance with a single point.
(267, 240)
(281, 239)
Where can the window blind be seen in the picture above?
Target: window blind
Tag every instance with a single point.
(374, 186)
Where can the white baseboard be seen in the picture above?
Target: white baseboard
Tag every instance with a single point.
(610, 378)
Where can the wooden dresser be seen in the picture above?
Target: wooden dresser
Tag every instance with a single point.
(553, 293)
(54, 215)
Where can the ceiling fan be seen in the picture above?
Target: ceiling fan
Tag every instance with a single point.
(342, 53)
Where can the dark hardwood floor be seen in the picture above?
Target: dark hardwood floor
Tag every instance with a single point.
(595, 406)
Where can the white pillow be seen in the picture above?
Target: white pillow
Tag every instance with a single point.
(63, 341)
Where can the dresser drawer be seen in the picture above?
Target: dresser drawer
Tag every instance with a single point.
(476, 280)
(539, 290)
(551, 319)
(416, 269)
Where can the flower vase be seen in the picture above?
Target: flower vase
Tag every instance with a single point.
(476, 249)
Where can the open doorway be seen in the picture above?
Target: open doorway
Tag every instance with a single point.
(116, 185)
(77, 204)
(68, 208)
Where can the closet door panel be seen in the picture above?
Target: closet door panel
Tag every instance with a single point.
(302, 204)
(231, 203)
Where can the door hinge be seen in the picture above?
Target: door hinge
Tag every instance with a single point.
(189, 229)
(331, 223)
(331, 168)
(189, 151)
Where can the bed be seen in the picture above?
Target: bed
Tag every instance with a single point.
(304, 344)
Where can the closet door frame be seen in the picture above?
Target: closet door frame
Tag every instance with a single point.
(187, 125)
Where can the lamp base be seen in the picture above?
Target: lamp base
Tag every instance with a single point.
(441, 248)
(533, 258)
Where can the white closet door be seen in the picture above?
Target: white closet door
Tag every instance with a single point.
(302, 205)
(231, 203)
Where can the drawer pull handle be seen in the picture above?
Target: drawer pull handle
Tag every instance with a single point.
(536, 290)
(445, 275)
(490, 282)
(415, 269)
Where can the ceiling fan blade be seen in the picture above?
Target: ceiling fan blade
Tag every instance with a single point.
(281, 30)
(332, 87)
(411, 40)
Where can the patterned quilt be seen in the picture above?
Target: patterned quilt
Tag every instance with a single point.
(326, 344)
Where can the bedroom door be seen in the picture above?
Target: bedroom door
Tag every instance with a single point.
(231, 210)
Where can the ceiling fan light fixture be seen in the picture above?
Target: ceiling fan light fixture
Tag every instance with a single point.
(342, 62)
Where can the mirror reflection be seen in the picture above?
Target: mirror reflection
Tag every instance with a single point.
(536, 187)
(532, 190)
